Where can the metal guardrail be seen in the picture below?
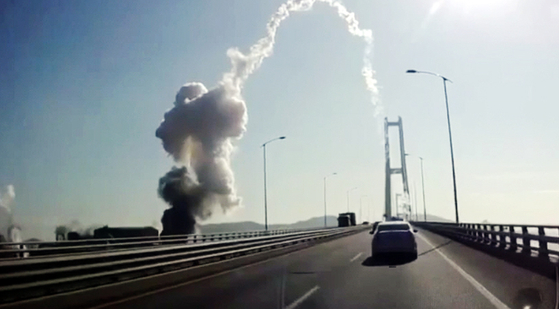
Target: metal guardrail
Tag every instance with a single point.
(540, 241)
(40, 249)
(30, 278)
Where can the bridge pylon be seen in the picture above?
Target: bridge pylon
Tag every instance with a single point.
(389, 170)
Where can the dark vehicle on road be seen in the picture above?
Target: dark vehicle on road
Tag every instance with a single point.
(125, 232)
(375, 225)
(394, 238)
(344, 220)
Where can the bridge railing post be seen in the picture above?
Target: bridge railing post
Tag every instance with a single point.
(492, 239)
(462, 232)
(543, 251)
(525, 241)
(476, 232)
(502, 237)
(513, 244)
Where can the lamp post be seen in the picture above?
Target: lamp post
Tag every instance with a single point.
(361, 207)
(265, 188)
(348, 192)
(449, 135)
(398, 196)
(324, 179)
(422, 189)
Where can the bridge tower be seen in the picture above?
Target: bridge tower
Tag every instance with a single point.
(389, 170)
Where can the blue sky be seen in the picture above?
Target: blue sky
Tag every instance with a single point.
(86, 83)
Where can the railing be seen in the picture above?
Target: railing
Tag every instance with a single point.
(42, 276)
(539, 241)
(40, 248)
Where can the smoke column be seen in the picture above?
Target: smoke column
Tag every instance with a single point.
(199, 130)
(7, 196)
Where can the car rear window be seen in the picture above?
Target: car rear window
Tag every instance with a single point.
(393, 227)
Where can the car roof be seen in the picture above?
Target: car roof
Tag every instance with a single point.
(394, 223)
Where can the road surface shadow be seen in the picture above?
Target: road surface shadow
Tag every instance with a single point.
(302, 272)
(435, 248)
(391, 260)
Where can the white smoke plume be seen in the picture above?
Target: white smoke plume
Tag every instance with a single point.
(199, 130)
(7, 197)
(75, 226)
(9, 231)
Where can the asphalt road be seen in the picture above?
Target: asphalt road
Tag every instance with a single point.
(339, 274)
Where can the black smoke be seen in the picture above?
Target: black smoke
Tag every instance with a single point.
(185, 196)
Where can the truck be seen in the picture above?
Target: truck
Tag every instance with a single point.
(124, 232)
(346, 219)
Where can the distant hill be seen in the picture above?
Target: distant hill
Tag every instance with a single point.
(230, 227)
(435, 218)
(253, 226)
(306, 224)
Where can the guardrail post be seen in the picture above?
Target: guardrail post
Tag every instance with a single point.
(492, 238)
(525, 240)
(502, 238)
(463, 234)
(513, 244)
(479, 233)
(542, 252)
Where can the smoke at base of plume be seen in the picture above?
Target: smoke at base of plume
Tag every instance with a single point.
(198, 131)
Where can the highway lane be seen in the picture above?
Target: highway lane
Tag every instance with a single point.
(335, 275)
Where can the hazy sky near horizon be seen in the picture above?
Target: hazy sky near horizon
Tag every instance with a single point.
(84, 85)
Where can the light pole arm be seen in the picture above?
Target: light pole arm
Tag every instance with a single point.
(430, 73)
(272, 140)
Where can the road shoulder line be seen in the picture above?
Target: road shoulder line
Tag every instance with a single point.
(478, 286)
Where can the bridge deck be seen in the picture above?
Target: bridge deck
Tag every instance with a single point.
(332, 275)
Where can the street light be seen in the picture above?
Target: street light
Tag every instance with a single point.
(265, 191)
(449, 136)
(361, 207)
(422, 187)
(348, 192)
(398, 196)
(324, 179)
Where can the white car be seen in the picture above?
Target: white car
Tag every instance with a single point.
(394, 237)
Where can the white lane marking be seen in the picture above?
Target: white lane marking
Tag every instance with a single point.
(356, 257)
(301, 299)
(490, 297)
